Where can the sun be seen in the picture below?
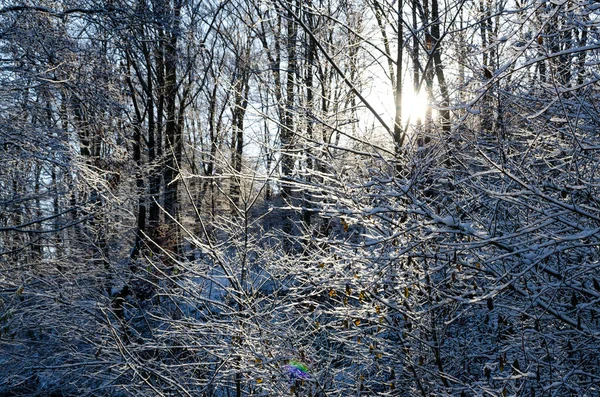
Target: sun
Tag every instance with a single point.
(414, 106)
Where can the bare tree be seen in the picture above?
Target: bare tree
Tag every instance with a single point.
(466, 264)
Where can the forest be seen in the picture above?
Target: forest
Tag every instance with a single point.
(229, 198)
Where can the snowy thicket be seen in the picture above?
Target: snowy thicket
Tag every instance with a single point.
(231, 198)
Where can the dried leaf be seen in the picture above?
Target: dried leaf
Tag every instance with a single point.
(516, 367)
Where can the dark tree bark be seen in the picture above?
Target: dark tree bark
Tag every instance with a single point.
(287, 131)
(241, 86)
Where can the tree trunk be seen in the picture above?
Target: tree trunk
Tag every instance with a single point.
(439, 68)
(287, 131)
(398, 130)
(241, 85)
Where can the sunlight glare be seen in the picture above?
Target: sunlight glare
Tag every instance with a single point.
(414, 106)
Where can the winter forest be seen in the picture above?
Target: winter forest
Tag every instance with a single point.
(300, 198)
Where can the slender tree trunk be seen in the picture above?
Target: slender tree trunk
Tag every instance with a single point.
(311, 52)
(140, 185)
(274, 56)
(137, 158)
(214, 133)
(439, 68)
(172, 130)
(428, 71)
(155, 137)
(287, 131)
(582, 54)
(398, 130)
(242, 89)
(415, 50)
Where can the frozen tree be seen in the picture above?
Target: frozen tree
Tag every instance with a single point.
(229, 198)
